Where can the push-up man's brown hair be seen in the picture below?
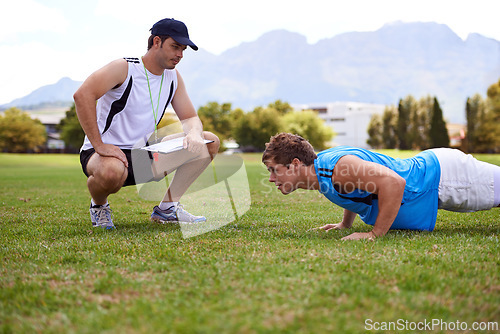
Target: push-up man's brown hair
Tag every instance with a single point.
(284, 147)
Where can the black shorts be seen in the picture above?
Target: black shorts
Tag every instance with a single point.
(142, 161)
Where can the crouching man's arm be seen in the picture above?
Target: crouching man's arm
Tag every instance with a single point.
(191, 123)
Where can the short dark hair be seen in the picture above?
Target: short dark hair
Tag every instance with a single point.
(152, 37)
(284, 147)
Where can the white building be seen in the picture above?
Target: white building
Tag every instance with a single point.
(349, 120)
(50, 120)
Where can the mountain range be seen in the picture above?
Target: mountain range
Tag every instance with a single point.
(379, 67)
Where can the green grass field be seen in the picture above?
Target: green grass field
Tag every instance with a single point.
(264, 273)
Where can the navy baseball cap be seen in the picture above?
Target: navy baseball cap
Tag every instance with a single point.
(175, 29)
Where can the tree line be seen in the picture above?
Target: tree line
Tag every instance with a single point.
(419, 125)
(413, 125)
(483, 121)
(251, 130)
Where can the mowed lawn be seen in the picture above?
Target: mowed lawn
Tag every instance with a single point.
(266, 272)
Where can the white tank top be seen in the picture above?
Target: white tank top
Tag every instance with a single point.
(125, 115)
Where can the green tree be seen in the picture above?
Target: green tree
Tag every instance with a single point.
(281, 107)
(493, 94)
(374, 130)
(382, 130)
(486, 128)
(421, 123)
(308, 125)
(235, 116)
(19, 132)
(438, 133)
(217, 119)
(414, 134)
(485, 133)
(389, 127)
(405, 110)
(253, 130)
(493, 103)
(474, 109)
(71, 131)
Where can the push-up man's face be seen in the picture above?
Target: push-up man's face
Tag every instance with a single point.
(285, 178)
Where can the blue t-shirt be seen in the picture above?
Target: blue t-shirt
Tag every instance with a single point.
(419, 205)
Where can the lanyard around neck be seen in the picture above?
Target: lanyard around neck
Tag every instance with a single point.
(155, 113)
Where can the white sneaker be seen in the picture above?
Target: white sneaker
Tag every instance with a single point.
(100, 215)
(174, 214)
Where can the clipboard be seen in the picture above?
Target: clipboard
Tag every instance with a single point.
(169, 146)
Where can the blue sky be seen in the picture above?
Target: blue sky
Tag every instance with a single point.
(42, 41)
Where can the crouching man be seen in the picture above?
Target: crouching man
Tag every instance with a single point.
(120, 105)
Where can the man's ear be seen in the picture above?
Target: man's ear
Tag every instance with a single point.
(296, 162)
(157, 41)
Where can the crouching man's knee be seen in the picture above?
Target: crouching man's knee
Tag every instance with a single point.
(110, 174)
(213, 148)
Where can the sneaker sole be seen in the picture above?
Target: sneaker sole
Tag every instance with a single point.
(104, 227)
(163, 221)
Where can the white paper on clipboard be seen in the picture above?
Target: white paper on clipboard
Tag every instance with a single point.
(169, 146)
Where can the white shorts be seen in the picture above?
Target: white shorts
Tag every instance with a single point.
(466, 183)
